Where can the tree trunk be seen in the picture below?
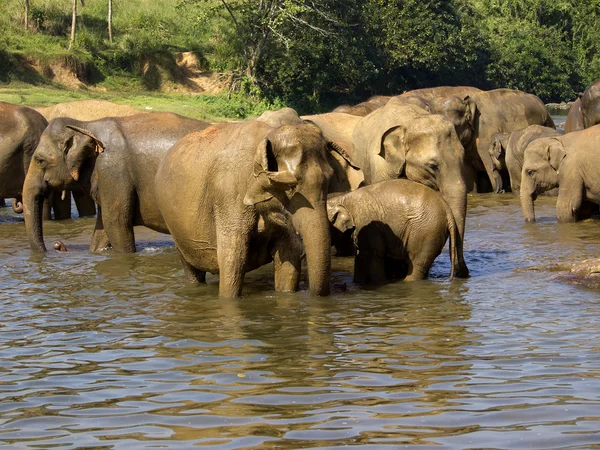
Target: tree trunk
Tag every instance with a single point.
(26, 14)
(110, 34)
(73, 24)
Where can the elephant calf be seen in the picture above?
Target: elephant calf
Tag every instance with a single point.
(399, 228)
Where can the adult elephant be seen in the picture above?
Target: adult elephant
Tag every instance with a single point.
(20, 131)
(432, 93)
(364, 108)
(590, 105)
(87, 110)
(510, 147)
(477, 117)
(283, 116)
(405, 141)
(239, 195)
(574, 120)
(571, 163)
(115, 160)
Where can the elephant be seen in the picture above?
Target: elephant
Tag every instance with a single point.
(364, 108)
(20, 131)
(87, 110)
(405, 141)
(477, 117)
(240, 195)
(283, 116)
(399, 227)
(429, 94)
(509, 147)
(574, 120)
(590, 105)
(570, 162)
(114, 159)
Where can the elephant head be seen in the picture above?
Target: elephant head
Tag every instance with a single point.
(541, 164)
(590, 105)
(289, 187)
(461, 112)
(64, 159)
(340, 217)
(497, 152)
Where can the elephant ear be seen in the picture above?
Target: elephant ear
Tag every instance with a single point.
(471, 108)
(555, 154)
(267, 180)
(341, 218)
(393, 147)
(83, 146)
(348, 175)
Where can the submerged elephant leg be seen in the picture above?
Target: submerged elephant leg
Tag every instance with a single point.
(118, 221)
(417, 271)
(191, 274)
(61, 206)
(287, 264)
(85, 204)
(100, 239)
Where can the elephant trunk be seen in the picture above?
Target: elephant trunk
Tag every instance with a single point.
(33, 205)
(17, 205)
(528, 196)
(313, 226)
(456, 198)
(497, 181)
(489, 168)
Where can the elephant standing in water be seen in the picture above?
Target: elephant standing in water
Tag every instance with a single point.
(477, 117)
(574, 120)
(510, 147)
(113, 159)
(570, 162)
(239, 195)
(20, 131)
(590, 105)
(399, 227)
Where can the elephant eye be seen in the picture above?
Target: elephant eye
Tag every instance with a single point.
(433, 165)
(530, 173)
(40, 161)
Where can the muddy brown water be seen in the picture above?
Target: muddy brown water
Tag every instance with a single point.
(111, 351)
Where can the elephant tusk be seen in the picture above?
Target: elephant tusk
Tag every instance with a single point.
(63, 195)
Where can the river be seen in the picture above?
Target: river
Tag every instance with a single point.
(111, 351)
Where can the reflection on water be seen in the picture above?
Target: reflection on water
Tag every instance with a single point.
(115, 352)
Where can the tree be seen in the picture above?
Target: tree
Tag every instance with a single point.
(74, 23)
(26, 13)
(110, 31)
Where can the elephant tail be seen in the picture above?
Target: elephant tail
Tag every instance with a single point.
(454, 239)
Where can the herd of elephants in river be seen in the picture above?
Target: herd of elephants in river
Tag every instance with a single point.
(385, 181)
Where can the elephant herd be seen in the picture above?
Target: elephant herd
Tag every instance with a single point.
(385, 181)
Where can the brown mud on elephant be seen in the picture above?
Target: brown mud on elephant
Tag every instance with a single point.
(239, 195)
(570, 162)
(477, 117)
(399, 227)
(113, 159)
(20, 131)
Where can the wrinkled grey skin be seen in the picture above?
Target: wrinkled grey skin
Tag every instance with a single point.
(590, 105)
(511, 152)
(574, 120)
(240, 195)
(570, 162)
(283, 116)
(113, 159)
(364, 108)
(399, 227)
(20, 131)
(479, 116)
(404, 141)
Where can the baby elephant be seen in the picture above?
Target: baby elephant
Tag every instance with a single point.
(399, 228)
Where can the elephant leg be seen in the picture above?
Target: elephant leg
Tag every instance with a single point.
(232, 253)
(85, 204)
(191, 274)
(417, 271)
(570, 198)
(118, 222)
(47, 208)
(2, 203)
(60, 206)
(100, 239)
(287, 264)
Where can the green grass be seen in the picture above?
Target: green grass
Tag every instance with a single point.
(206, 107)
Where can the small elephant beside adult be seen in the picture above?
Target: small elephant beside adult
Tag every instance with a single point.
(239, 195)
(590, 105)
(20, 131)
(477, 117)
(115, 160)
(570, 162)
(399, 227)
(507, 149)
